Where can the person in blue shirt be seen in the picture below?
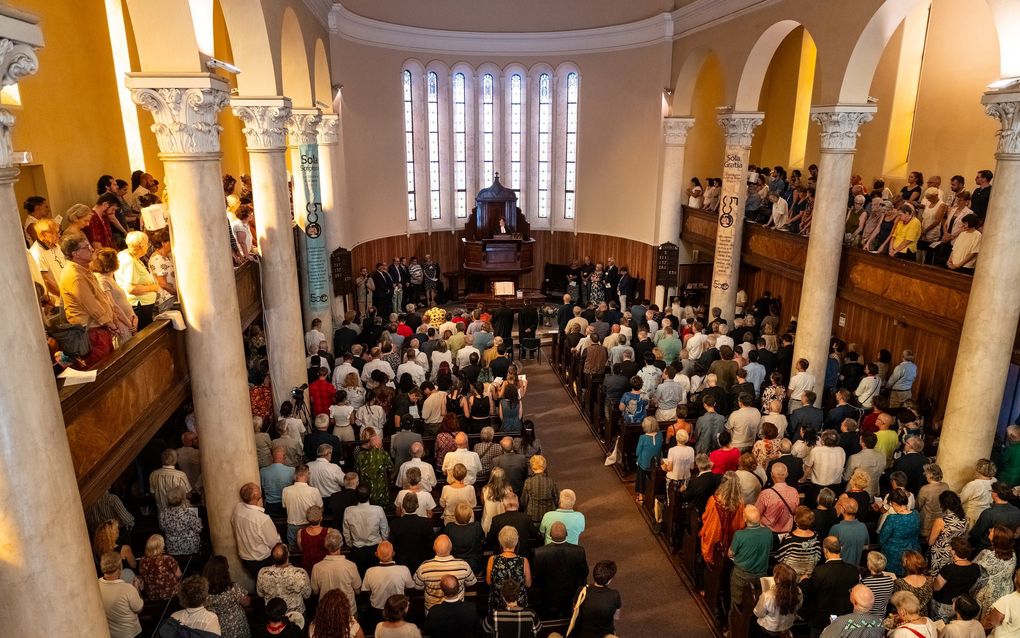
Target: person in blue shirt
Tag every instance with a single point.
(649, 451)
(634, 404)
(274, 478)
(852, 534)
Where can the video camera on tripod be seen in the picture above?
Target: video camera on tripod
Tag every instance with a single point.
(297, 395)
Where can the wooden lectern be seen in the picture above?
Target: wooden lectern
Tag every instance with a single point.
(497, 243)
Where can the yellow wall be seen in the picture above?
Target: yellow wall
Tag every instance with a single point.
(619, 137)
(70, 119)
(232, 143)
(704, 152)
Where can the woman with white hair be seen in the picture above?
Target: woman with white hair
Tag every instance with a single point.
(135, 278)
(910, 621)
(932, 215)
(976, 495)
(507, 565)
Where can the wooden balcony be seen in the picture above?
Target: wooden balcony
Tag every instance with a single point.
(881, 302)
(136, 390)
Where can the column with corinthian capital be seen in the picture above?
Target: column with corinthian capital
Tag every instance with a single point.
(839, 126)
(41, 520)
(989, 327)
(302, 134)
(327, 137)
(738, 128)
(185, 110)
(671, 199)
(265, 129)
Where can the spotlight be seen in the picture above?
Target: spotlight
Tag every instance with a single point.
(213, 63)
(1003, 84)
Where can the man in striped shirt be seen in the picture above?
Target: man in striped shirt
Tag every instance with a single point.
(161, 481)
(430, 574)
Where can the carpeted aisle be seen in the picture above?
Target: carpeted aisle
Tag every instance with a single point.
(654, 597)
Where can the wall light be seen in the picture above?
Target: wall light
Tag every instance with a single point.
(1003, 84)
(668, 92)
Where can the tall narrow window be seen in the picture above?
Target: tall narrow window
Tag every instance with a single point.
(516, 133)
(487, 126)
(570, 168)
(433, 93)
(412, 212)
(459, 145)
(544, 143)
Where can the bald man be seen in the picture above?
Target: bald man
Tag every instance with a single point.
(828, 585)
(384, 580)
(859, 623)
(463, 455)
(453, 617)
(560, 570)
(429, 574)
(750, 553)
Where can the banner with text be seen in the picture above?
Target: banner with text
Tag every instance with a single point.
(730, 214)
(316, 257)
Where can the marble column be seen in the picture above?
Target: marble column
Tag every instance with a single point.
(839, 126)
(738, 129)
(672, 195)
(327, 138)
(185, 110)
(47, 575)
(265, 128)
(989, 327)
(302, 131)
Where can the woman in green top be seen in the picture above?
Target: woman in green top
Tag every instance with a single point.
(374, 466)
(1010, 472)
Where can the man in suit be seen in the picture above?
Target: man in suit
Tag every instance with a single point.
(400, 278)
(527, 531)
(794, 464)
(453, 617)
(500, 227)
(513, 463)
(565, 314)
(347, 497)
(527, 320)
(503, 321)
(767, 359)
(561, 569)
(828, 586)
(612, 280)
(382, 290)
(784, 356)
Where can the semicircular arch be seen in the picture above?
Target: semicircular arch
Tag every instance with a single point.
(295, 74)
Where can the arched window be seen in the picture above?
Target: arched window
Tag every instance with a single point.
(433, 118)
(545, 125)
(412, 213)
(516, 134)
(460, 144)
(570, 165)
(488, 138)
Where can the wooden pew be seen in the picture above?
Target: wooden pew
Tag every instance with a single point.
(741, 616)
(717, 585)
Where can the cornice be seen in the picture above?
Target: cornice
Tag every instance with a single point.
(664, 27)
(320, 9)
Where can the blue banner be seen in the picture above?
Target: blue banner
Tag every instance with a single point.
(316, 257)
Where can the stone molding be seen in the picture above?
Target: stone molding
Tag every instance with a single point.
(185, 109)
(17, 60)
(302, 127)
(840, 125)
(326, 132)
(1005, 106)
(738, 127)
(675, 129)
(265, 122)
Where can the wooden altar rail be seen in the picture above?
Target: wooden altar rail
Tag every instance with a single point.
(882, 302)
(136, 391)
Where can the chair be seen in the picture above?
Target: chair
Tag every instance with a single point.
(531, 346)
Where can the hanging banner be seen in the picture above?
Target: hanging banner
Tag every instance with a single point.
(316, 257)
(731, 214)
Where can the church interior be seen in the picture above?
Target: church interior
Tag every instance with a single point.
(689, 316)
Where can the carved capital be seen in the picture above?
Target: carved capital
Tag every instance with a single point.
(738, 127)
(17, 60)
(265, 122)
(302, 127)
(186, 110)
(840, 125)
(326, 131)
(1006, 107)
(675, 129)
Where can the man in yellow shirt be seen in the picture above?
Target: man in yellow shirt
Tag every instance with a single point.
(903, 241)
(85, 303)
(888, 439)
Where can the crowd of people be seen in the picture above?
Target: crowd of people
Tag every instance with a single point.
(826, 496)
(102, 272)
(921, 222)
(411, 466)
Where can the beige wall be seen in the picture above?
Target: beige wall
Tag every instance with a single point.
(619, 137)
(502, 16)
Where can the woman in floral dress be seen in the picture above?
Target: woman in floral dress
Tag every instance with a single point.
(997, 565)
(226, 599)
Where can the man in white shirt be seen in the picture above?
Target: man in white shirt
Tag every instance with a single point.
(161, 481)
(723, 338)
(314, 336)
(744, 422)
(385, 579)
(325, 475)
(341, 371)
(800, 383)
(678, 461)
(410, 366)
(965, 247)
(469, 459)
(336, 572)
(465, 352)
(428, 475)
(254, 531)
(364, 527)
(824, 463)
(297, 498)
(377, 363)
(121, 601)
(696, 344)
(193, 592)
(48, 256)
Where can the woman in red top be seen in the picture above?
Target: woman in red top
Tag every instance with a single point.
(312, 539)
(727, 457)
